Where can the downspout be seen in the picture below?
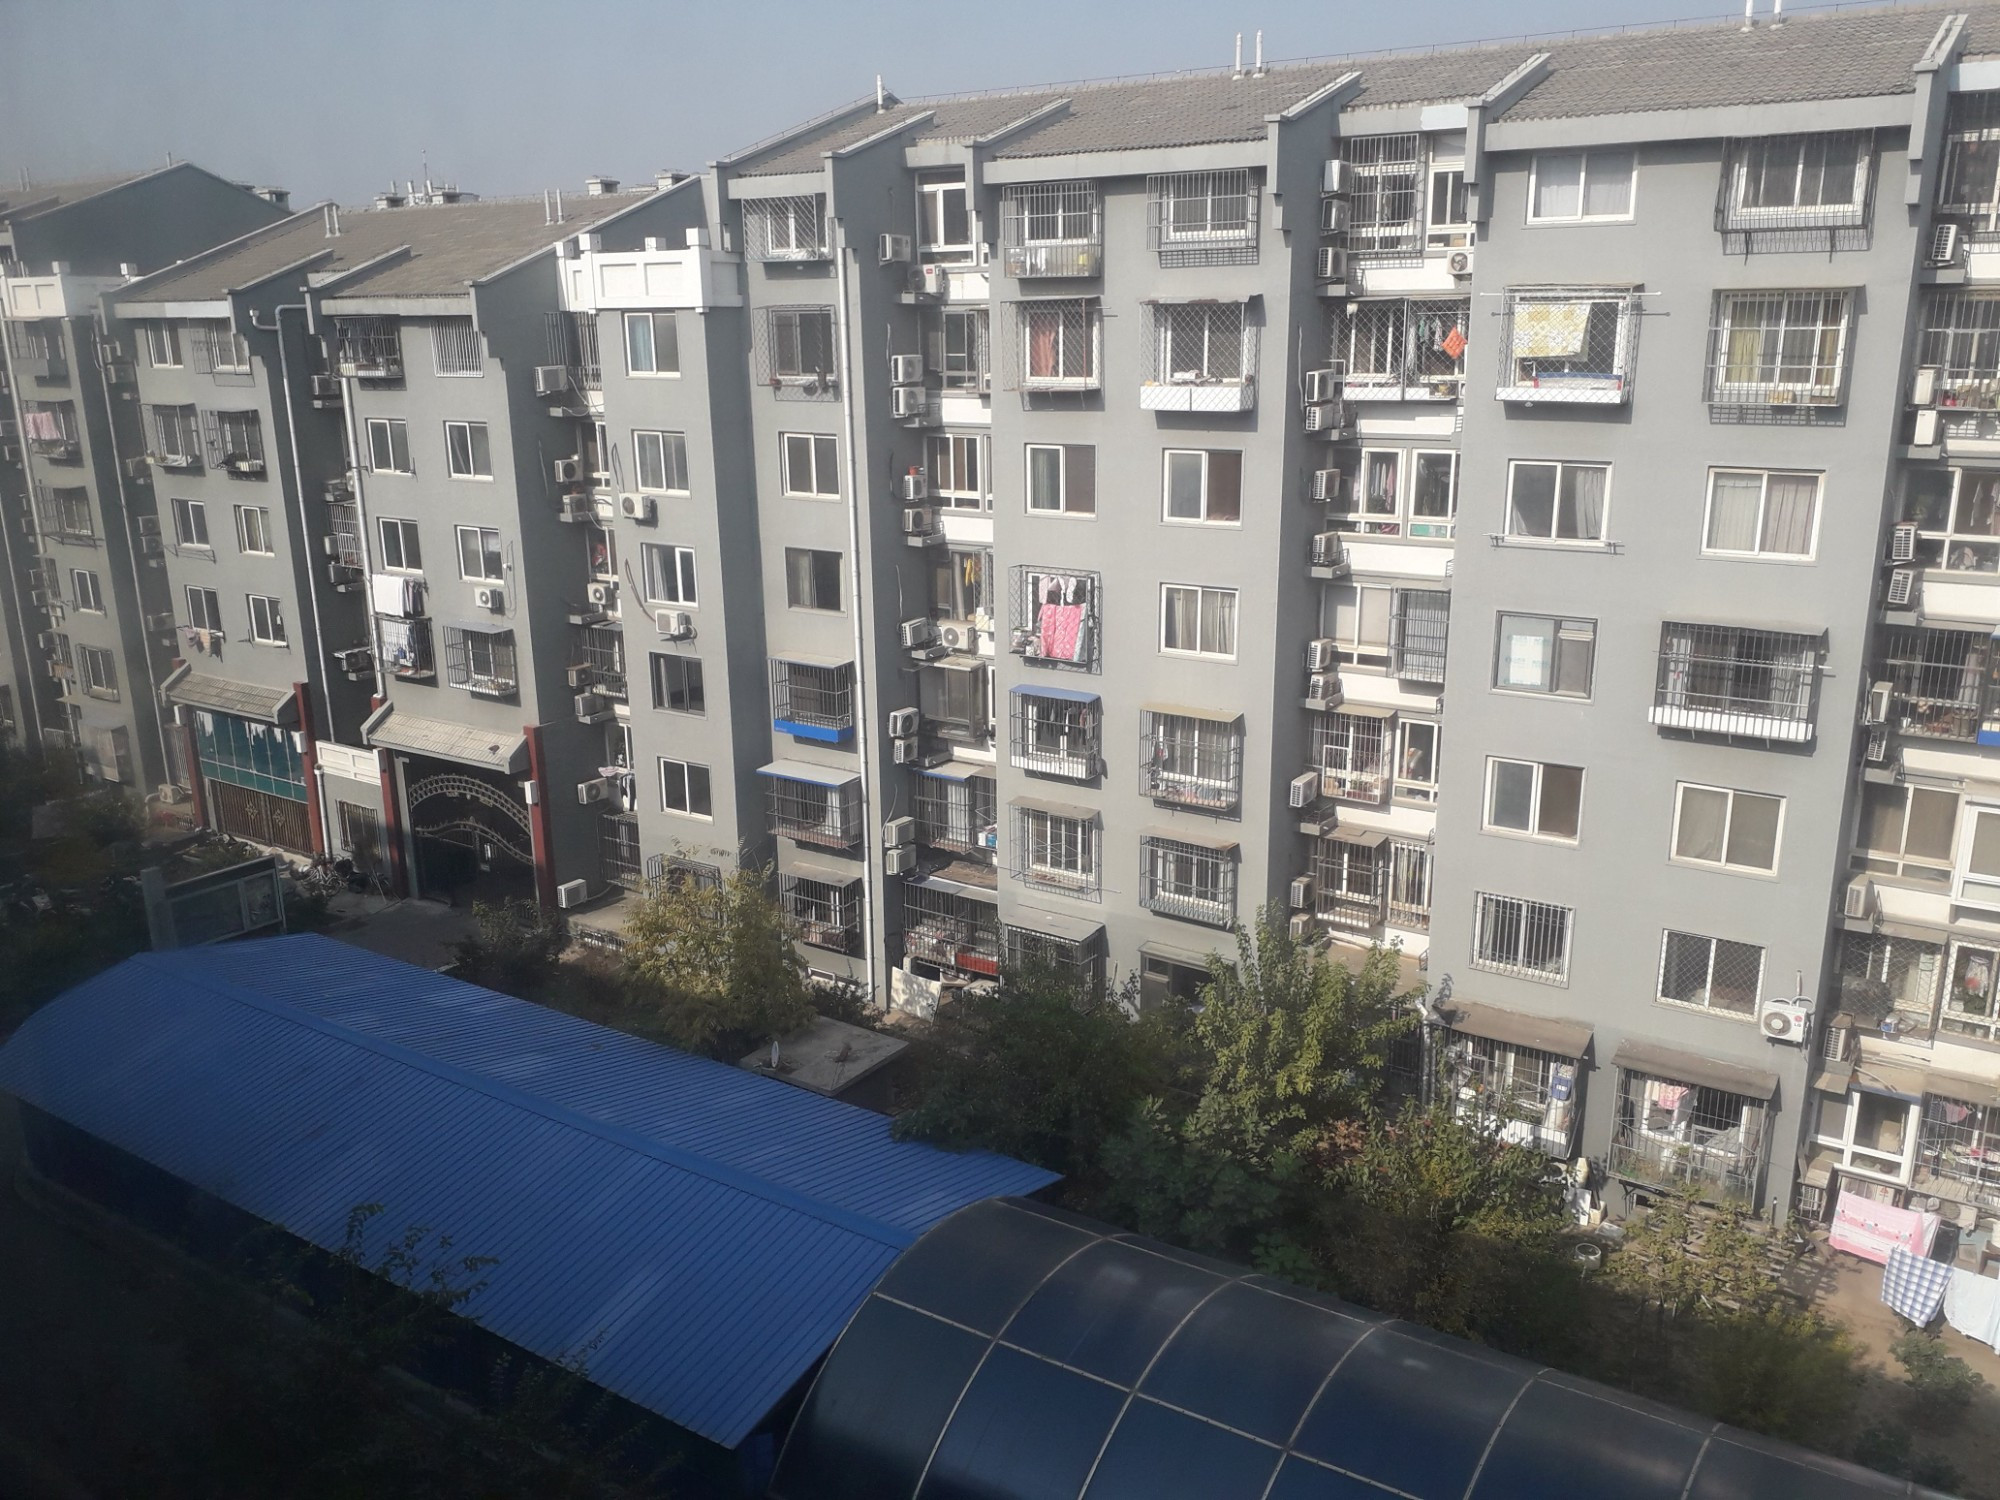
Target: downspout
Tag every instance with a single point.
(862, 720)
(31, 692)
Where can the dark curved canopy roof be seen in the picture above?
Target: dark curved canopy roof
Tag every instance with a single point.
(1019, 1351)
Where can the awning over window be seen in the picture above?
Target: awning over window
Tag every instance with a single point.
(958, 770)
(1689, 1067)
(1214, 715)
(220, 695)
(811, 659)
(826, 872)
(1367, 838)
(1075, 810)
(1056, 925)
(1189, 836)
(1543, 1033)
(799, 770)
(1044, 690)
(389, 730)
(1365, 710)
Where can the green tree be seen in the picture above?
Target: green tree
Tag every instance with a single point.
(514, 947)
(1941, 1384)
(715, 966)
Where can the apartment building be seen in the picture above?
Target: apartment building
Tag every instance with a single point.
(87, 617)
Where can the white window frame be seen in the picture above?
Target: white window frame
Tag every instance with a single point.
(87, 591)
(1062, 506)
(1583, 187)
(1202, 592)
(1353, 650)
(97, 667)
(668, 460)
(253, 526)
(1433, 528)
(683, 771)
(1537, 768)
(1778, 391)
(191, 516)
(1409, 787)
(954, 446)
(1969, 1022)
(1092, 333)
(1765, 476)
(476, 438)
(163, 344)
(661, 662)
(1562, 468)
(1060, 851)
(1682, 788)
(1202, 456)
(1377, 522)
(270, 631)
(1561, 628)
(1445, 234)
(651, 322)
(1707, 1005)
(817, 445)
(1898, 862)
(408, 540)
(499, 554)
(1970, 887)
(1742, 216)
(931, 194)
(1210, 188)
(1525, 911)
(677, 566)
(384, 435)
(209, 612)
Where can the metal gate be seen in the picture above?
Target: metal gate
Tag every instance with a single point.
(463, 825)
(259, 816)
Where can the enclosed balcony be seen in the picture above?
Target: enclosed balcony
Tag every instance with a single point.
(1736, 682)
(1573, 345)
(1940, 683)
(1052, 230)
(1683, 1120)
(825, 909)
(812, 698)
(1201, 357)
(809, 804)
(1191, 757)
(1056, 732)
(950, 931)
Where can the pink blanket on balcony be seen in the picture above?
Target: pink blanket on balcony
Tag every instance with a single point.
(1062, 631)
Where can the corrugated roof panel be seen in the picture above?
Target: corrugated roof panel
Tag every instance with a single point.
(703, 1232)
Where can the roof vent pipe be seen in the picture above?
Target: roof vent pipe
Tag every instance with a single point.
(881, 98)
(1237, 71)
(1749, 15)
(1258, 70)
(332, 218)
(1777, 12)
(559, 212)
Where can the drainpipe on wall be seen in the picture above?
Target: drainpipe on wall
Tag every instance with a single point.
(302, 695)
(318, 659)
(540, 833)
(10, 586)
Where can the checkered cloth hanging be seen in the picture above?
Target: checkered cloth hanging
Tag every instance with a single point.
(1914, 1285)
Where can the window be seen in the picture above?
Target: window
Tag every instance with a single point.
(1450, 219)
(1410, 884)
(1671, 1131)
(958, 584)
(1190, 761)
(1059, 345)
(1161, 979)
(1197, 212)
(1545, 654)
(1957, 516)
(952, 695)
(1051, 229)
(400, 552)
(1729, 829)
(957, 468)
(1195, 882)
(190, 523)
(961, 348)
(98, 670)
(1906, 831)
(955, 814)
(1403, 350)
(944, 227)
(1053, 850)
(1352, 753)
(267, 620)
(480, 661)
(65, 512)
(1204, 485)
(174, 435)
(1563, 344)
(1056, 736)
(389, 445)
(668, 574)
(1056, 616)
(1778, 349)
(1528, 939)
(1712, 973)
(1557, 502)
(677, 684)
(684, 789)
(1969, 185)
(1384, 195)
(812, 578)
(1416, 761)
(785, 228)
(812, 812)
(1724, 679)
(1968, 995)
(801, 344)
(1765, 513)
(1347, 876)
(1787, 180)
(479, 555)
(218, 348)
(1890, 978)
(86, 591)
(455, 348)
(1196, 621)
(163, 344)
(204, 609)
(234, 441)
(1976, 878)
(813, 699)
(467, 455)
(1198, 343)
(812, 465)
(1063, 480)
(253, 529)
(652, 344)
(1377, 495)
(1573, 186)
(601, 550)
(368, 348)
(1537, 798)
(1360, 626)
(1520, 1095)
(662, 462)
(1419, 626)
(1434, 495)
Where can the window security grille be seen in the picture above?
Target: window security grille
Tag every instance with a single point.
(1051, 850)
(1569, 344)
(956, 815)
(1528, 939)
(664, 868)
(217, 349)
(50, 428)
(1190, 762)
(1419, 623)
(1938, 681)
(64, 514)
(456, 348)
(1054, 616)
(601, 648)
(1399, 349)
(1410, 884)
(1728, 680)
(1510, 1091)
(1350, 882)
(827, 916)
(956, 348)
(1077, 961)
(1353, 757)
(1385, 196)
(619, 855)
(368, 348)
(36, 349)
(344, 526)
(950, 930)
(779, 229)
(1194, 882)
(1969, 184)
(1055, 736)
(1200, 356)
(1797, 193)
(1890, 980)
(232, 438)
(1203, 218)
(1055, 345)
(1961, 336)
(1051, 229)
(572, 343)
(1958, 1150)
(1711, 972)
(1669, 1132)
(794, 353)
(817, 697)
(1968, 991)
(809, 813)
(406, 647)
(172, 435)
(1778, 356)
(482, 661)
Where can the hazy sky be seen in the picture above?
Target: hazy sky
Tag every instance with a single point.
(332, 98)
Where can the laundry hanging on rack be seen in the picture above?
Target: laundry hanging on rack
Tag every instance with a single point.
(42, 425)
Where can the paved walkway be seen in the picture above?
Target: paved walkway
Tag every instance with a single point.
(417, 932)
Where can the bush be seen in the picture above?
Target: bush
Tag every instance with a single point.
(1886, 1448)
(513, 948)
(1941, 1384)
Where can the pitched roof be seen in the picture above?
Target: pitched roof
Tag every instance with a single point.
(39, 197)
(450, 245)
(704, 1232)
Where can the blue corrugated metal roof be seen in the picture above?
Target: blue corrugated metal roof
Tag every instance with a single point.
(705, 1233)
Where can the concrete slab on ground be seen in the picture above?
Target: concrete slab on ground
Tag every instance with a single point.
(417, 932)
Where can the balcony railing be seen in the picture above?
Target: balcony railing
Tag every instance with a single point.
(811, 812)
(1714, 1173)
(597, 653)
(618, 850)
(1056, 735)
(957, 815)
(1352, 751)
(1726, 680)
(1193, 882)
(1401, 350)
(950, 931)
(1938, 683)
(1051, 229)
(812, 700)
(1672, 1133)
(1202, 357)
(826, 915)
(1191, 762)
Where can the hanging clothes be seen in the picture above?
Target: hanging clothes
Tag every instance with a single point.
(1972, 1306)
(1914, 1285)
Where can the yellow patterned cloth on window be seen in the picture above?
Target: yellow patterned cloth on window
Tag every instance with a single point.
(1549, 330)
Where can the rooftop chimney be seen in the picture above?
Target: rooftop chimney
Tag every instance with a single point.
(881, 98)
(597, 187)
(1258, 70)
(331, 214)
(1237, 70)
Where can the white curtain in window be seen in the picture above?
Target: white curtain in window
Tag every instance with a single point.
(1608, 187)
(1788, 513)
(1218, 623)
(1182, 610)
(1733, 512)
(1703, 813)
(1558, 184)
(1584, 502)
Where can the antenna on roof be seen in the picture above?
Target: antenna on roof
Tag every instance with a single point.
(881, 99)
(1237, 70)
(1749, 15)
(1777, 12)
(559, 212)
(1258, 70)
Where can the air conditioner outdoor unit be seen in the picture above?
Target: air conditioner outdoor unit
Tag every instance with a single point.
(675, 624)
(915, 485)
(931, 281)
(1333, 177)
(1333, 215)
(1881, 696)
(488, 598)
(1323, 385)
(1320, 655)
(161, 621)
(355, 659)
(1924, 385)
(598, 790)
(1304, 790)
(1302, 892)
(1330, 485)
(636, 508)
(137, 468)
(891, 249)
(899, 861)
(572, 893)
(577, 507)
(1302, 927)
(906, 369)
(1902, 543)
(45, 640)
(1902, 588)
(325, 389)
(1785, 1020)
(917, 634)
(906, 752)
(907, 402)
(904, 722)
(602, 594)
(1329, 550)
(1328, 418)
(1944, 244)
(897, 832)
(1459, 262)
(551, 380)
(1925, 429)
(582, 675)
(1323, 688)
(1876, 752)
(1858, 902)
(1330, 264)
(569, 470)
(592, 708)
(919, 520)
(959, 636)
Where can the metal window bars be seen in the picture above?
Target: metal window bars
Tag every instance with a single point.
(1731, 680)
(456, 348)
(1528, 939)
(826, 915)
(1711, 972)
(1968, 185)
(1075, 961)
(233, 440)
(1779, 350)
(956, 348)
(1402, 349)
(794, 353)
(786, 229)
(1193, 882)
(819, 697)
(64, 514)
(1203, 218)
(1051, 229)
(1055, 346)
(956, 815)
(620, 859)
(1055, 617)
(35, 349)
(572, 344)
(1385, 196)
(1961, 337)
(1201, 357)
(1890, 983)
(1050, 851)
(1573, 344)
(1410, 873)
(1419, 626)
(662, 869)
(50, 429)
(1938, 681)
(1190, 762)
(348, 547)
(215, 348)
(1510, 1091)
(1672, 1133)
(950, 931)
(1055, 736)
(1958, 1150)
(1350, 884)
(479, 660)
(406, 647)
(1797, 193)
(1352, 755)
(808, 812)
(600, 649)
(368, 348)
(173, 436)
(1968, 990)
